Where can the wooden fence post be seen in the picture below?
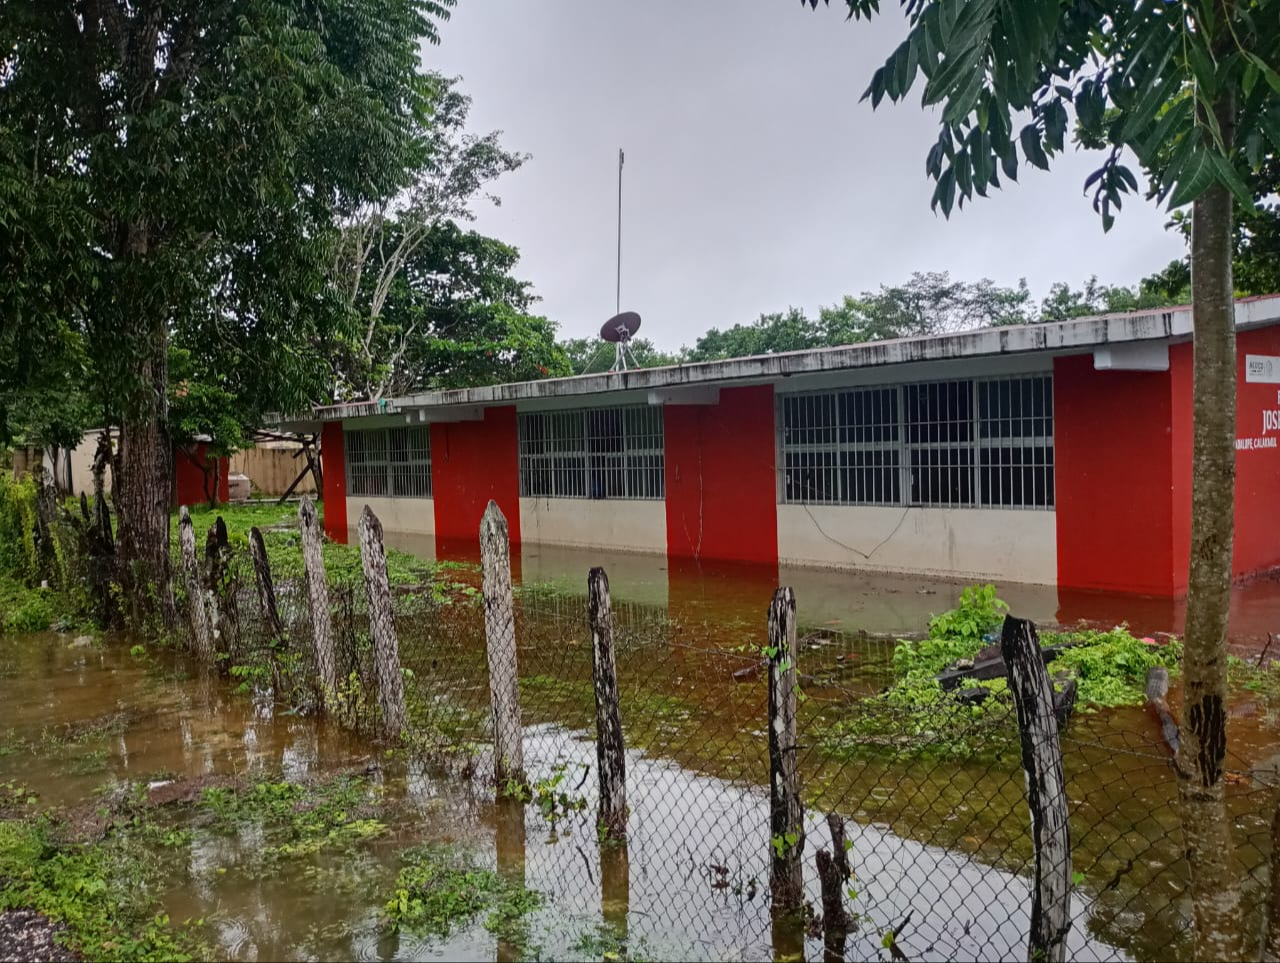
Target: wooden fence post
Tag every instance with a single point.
(382, 625)
(500, 638)
(195, 591)
(1046, 790)
(270, 611)
(610, 748)
(833, 875)
(786, 875)
(215, 575)
(318, 600)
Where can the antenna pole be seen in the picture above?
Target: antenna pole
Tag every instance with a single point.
(618, 302)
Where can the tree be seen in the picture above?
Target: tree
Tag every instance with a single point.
(202, 149)
(452, 316)
(381, 253)
(1171, 84)
(1063, 302)
(593, 356)
(789, 330)
(1255, 247)
(928, 303)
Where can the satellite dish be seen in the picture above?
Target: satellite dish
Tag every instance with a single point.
(621, 328)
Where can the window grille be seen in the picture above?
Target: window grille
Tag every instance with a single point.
(957, 443)
(391, 462)
(592, 453)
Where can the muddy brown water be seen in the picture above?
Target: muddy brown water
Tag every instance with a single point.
(939, 841)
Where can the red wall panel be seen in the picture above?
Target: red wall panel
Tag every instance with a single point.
(1257, 545)
(188, 479)
(1180, 452)
(1114, 477)
(472, 462)
(333, 465)
(721, 481)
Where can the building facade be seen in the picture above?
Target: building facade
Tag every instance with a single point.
(1055, 453)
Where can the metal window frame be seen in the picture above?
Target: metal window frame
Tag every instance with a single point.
(1036, 446)
(402, 477)
(611, 453)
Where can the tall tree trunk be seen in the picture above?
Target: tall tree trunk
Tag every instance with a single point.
(1215, 884)
(143, 487)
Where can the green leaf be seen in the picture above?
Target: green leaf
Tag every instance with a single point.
(1228, 176)
(1267, 71)
(1032, 148)
(1195, 175)
(1009, 162)
(944, 194)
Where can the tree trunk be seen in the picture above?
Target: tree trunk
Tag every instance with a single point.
(143, 487)
(1215, 886)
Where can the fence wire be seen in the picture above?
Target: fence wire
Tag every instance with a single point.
(932, 797)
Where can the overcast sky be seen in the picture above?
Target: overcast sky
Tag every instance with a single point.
(754, 179)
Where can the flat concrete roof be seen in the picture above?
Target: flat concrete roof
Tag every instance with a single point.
(1078, 334)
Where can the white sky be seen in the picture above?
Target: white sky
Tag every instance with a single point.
(755, 179)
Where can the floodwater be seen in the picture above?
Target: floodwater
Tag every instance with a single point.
(939, 845)
(872, 602)
(693, 893)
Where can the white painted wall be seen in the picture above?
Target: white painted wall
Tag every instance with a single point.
(998, 544)
(629, 526)
(415, 516)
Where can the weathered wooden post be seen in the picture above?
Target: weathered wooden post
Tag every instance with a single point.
(833, 874)
(267, 601)
(1046, 790)
(500, 638)
(200, 632)
(610, 749)
(318, 600)
(786, 875)
(382, 625)
(215, 575)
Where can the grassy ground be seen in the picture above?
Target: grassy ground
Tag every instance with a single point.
(279, 527)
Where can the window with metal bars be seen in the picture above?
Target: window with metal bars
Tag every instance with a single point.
(391, 462)
(960, 443)
(592, 453)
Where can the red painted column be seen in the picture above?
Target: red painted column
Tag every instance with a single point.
(721, 479)
(1114, 484)
(472, 462)
(333, 466)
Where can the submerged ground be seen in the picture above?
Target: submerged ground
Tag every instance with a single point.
(169, 811)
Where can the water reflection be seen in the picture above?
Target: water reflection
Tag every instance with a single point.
(873, 602)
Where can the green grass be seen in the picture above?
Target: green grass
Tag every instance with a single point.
(915, 714)
(441, 889)
(280, 535)
(101, 892)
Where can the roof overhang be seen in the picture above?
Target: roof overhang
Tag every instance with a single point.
(1118, 335)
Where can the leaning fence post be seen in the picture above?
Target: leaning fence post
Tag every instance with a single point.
(610, 748)
(786, 875)
(195, 592)
(267, 599)
(382, 625)
(500, 637)
(318, 599)
(1046, 789)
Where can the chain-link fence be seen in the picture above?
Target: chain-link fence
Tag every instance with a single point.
(931, 797)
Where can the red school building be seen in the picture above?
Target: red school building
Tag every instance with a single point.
(1055, 453)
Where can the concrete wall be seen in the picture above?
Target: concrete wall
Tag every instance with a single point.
(996, 544)
(411, 516)
(623, 524)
